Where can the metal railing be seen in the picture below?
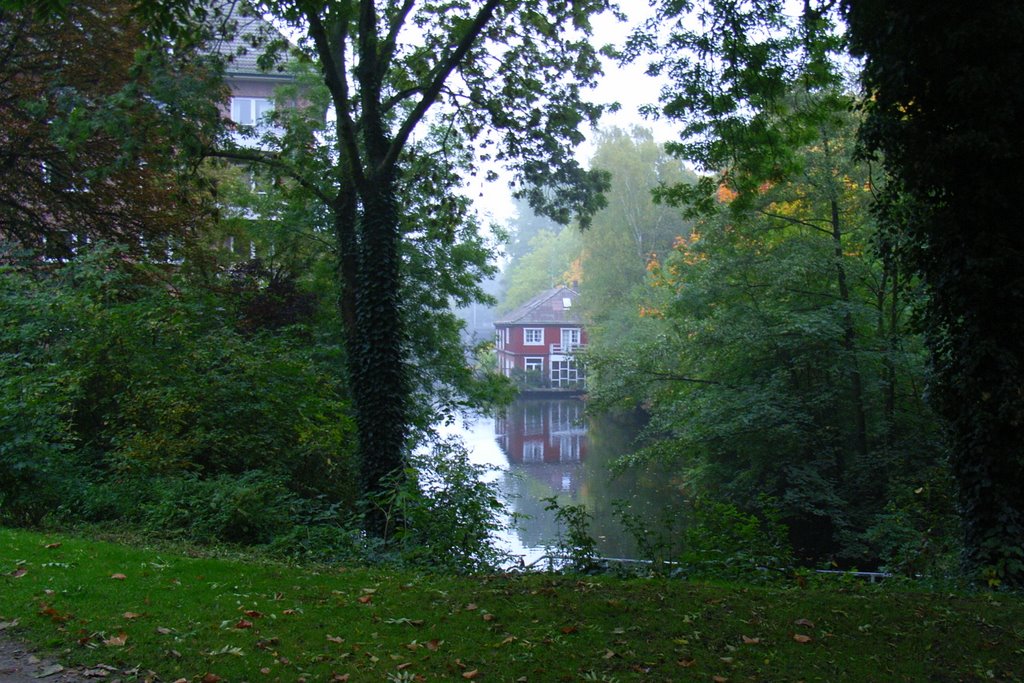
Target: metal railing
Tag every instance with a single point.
(555, 560)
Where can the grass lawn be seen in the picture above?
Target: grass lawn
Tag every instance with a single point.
(197, 619)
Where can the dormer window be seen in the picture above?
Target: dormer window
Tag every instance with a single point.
(566, 302)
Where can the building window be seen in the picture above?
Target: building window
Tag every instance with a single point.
(533, 336)
(249, 111)
(531, 364)
(570, 338)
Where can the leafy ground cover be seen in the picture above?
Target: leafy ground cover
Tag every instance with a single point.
(169, 616)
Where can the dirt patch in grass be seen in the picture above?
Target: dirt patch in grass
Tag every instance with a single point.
(18, 664)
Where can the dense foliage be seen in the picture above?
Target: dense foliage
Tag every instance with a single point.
(777, 362)
(130, 395)
(945, 111)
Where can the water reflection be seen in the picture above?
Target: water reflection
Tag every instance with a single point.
(551, 448)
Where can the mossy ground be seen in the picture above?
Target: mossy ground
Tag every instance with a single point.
(180, 617)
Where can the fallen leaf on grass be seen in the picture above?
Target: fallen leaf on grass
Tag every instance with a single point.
(131, 615)
(751, 641)
(290, 611)
(339, 678)
(57, 617)
(19, 572)
(610, 654)
(804, 622)
(471, 674)
(488, 617)
(404, 666)
(470, 607)
(433, 645)
(569, 629)
(242, 623)
(720, 679)
(117, 641)
(211, 678)
(801, 638)
(265, 670)
(118, 577)
(252, 614)
(335, 639)
(4, 625)
(686, 663)
(164, 631)
(181, 680)
(52, 545)
(365, 599)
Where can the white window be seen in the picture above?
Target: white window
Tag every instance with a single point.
(533, 336)
(249, 111)
(531, 364)
(570, 338)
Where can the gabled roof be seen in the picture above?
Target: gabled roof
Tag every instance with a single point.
(247, 32)
(547, 308)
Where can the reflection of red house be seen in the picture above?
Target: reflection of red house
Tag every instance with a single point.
(538, 340)
(543, 431)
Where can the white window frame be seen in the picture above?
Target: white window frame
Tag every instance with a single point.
(537, 361)
(250, 111)
(529, 332)
(574, 333)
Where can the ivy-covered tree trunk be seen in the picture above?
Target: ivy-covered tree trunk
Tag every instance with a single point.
(375, 346)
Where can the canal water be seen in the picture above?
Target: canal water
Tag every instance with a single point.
(542, 448)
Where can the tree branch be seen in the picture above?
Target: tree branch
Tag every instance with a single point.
(392, 38)
(672, 377)
(271, 161)
(336, 78)
(441, 73)
(796, 221)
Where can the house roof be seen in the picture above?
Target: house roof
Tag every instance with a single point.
(244, 33)
(547, 308)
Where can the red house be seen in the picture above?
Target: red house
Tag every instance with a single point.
(537, 341)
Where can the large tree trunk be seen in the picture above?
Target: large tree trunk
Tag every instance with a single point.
(376, 347)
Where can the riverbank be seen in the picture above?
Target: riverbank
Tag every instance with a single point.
(196, 618)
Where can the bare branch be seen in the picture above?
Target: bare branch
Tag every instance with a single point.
(796, 221)
(272, 161)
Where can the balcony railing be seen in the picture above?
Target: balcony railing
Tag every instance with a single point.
(565, 348)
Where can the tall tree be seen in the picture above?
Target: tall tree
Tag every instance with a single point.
(631, 231)
(946, 112)
(495, 78)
